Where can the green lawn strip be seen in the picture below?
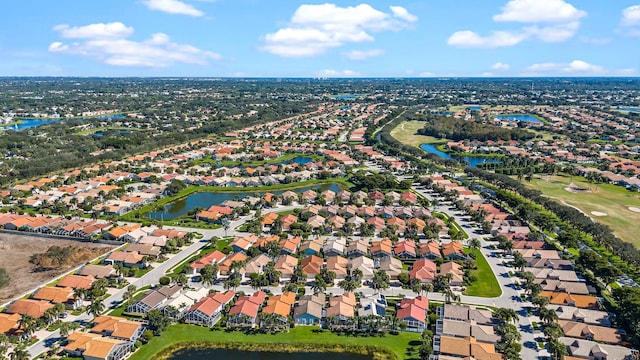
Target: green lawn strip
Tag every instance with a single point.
(487, 285)
(281, 159)
(139, 213)
(220, 244)
(297, 338)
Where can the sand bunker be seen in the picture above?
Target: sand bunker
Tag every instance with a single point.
(598, 213)
(634, 209)
(573, 188)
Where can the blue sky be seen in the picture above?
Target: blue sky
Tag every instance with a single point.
(287, 38)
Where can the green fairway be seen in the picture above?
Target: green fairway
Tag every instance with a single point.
(104, 128)
(599, 198)
(487, 284)
(406, 134)
(403, 346)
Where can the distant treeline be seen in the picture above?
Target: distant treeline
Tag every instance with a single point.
(457, 129)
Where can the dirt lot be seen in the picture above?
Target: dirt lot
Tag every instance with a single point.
(15, 251)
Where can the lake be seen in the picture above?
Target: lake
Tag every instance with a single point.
(525, 118)
(472, 161)
(31, 123)
(206, 354)
(207, 199)
(475, 107)
(300, 160)
(630, 109)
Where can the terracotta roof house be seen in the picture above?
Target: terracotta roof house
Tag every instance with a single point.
(429, 250)
(579, 301)
(287, 220)
(57, 295)
(405, 249)
(76, 282)
(96, 347)
(467, 348)
(308, 310)
(456, 270)
(225, 265)
(414, 313)
(208, 310)
(290, 245)
(244, 312)
(409, 197)
(34, 308)
(453, 251)
(9, 323)
(423, 270)
(279, 305)
(209, 259)
(381, 248)
(286, 265)
(340, 311)
(338, 265)
(591, 332)
(311, 265)
(117, 327)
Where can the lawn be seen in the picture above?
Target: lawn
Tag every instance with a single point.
(604, 198)
(406, 134)
(403, 345)
(487, 284)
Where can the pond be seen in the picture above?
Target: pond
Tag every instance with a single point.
(31, 123)
(206, 354)
(472, 161)
(300, 160)
(207, 199)
(525, 118)
(630, 109)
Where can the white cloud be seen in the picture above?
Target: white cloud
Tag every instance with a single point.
(173, 7)
(499, 66)
(548, 21)
(626, 72)
(363, 54)
(314, 29)
(631, 16)
(156, 51)
(539, 11)
(402, 13)
(99, 30)
(336, 73)
(426, 74)
(576, 67)
(469, 38)
(595, 41)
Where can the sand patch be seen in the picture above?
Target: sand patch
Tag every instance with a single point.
(573, 188)
(634, 209)
(598, 213)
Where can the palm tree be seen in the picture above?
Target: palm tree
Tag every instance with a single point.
(381, 280)
(319, 285)
(450, 295)
(348, 285)
(95, 308)
(474, 244)
(20, 353)
(67, 327)
(548, 316)
(519, 261)
(180, 278)
(25, 322)
(507, 315)
(129, 294)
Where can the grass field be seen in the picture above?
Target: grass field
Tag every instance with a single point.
(487, 284)
(605, 198)
(403, 345)
(406, 134)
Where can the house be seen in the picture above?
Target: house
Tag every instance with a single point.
(9, 323)
(382, 248)
(310, 247)
(463, 329)
(58, 295)
(286, 264)
(209, 259)
(453, 251)
(591, 332)
(256, 264)
(456, 270)
(341, 311)
(429, 250)
(244, 312)
(208, 310)
(423, 270)
(593, 317)
(279, 306)
(357, 248)
(225, 265)
(311, 265)
(373, 306)
(391, 265)
(31, 307)
(128, 259)
(338, 265)
(96, 347)
(76, 282)
(466, 348)
(98, 271)
(365, 264)
(308, 310)
(591, 350)
(154, 299)
(335, 246)
(405, 249)
(414, 313)
(465, 313)
(563, 298)
(117, 327)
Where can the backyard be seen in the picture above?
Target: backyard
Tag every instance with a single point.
(403, 346)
